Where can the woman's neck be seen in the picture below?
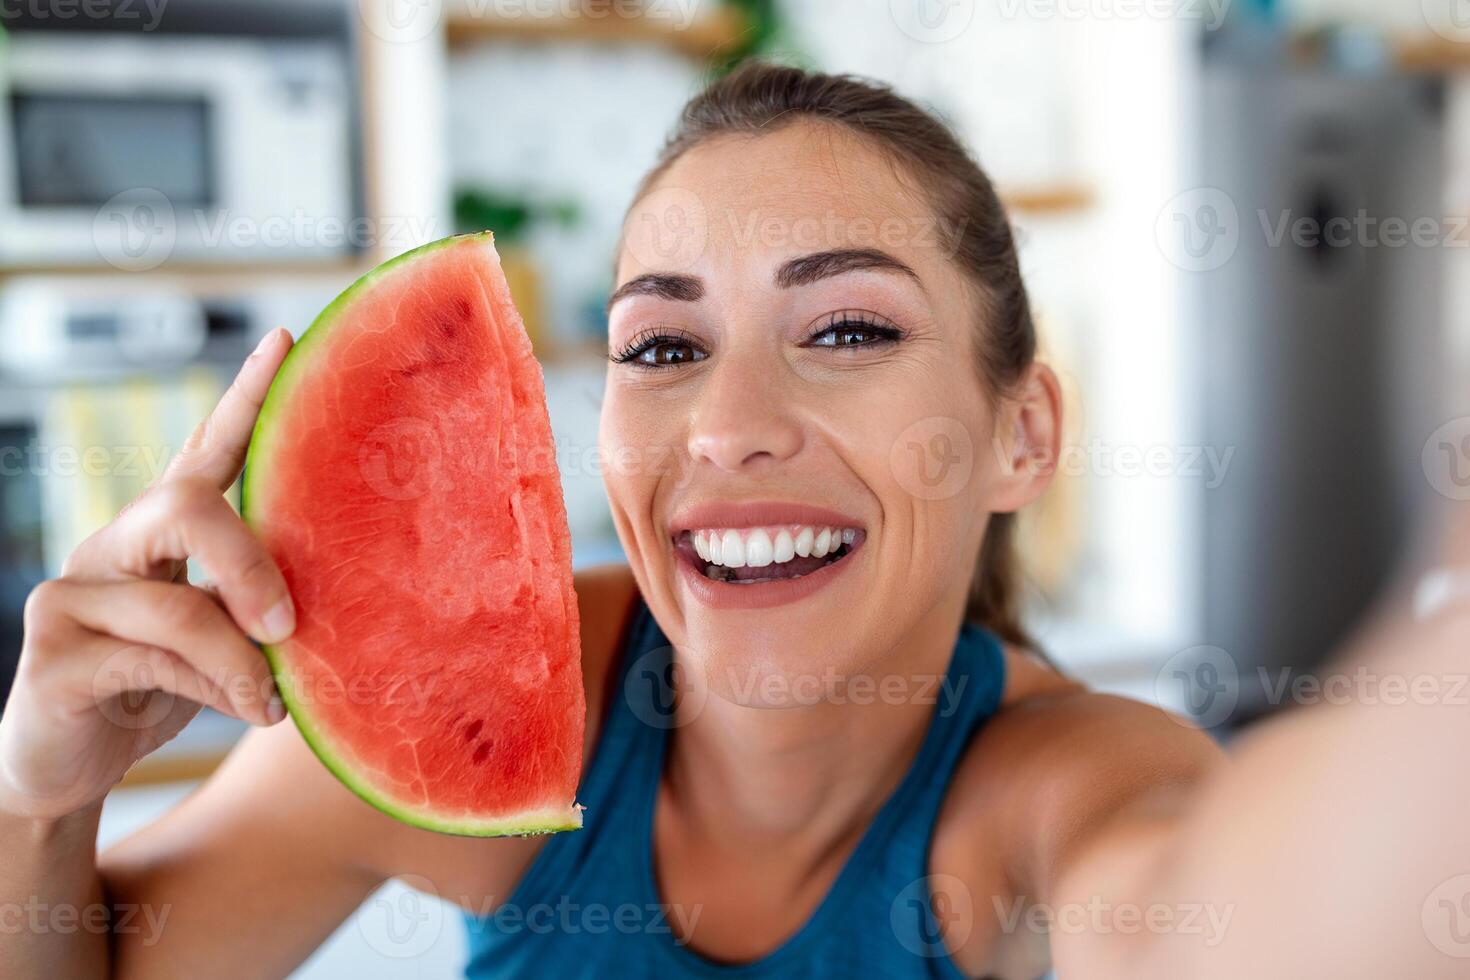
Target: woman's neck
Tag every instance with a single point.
(820, 770)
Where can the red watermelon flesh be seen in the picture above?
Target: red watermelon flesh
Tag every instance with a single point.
(403, 475)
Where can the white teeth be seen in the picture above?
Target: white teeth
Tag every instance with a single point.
(785, 548)
(758, 549)
(732, 550)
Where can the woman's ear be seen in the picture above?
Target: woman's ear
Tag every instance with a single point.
(1028, 441)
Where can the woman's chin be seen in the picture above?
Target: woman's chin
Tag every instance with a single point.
(803, 672)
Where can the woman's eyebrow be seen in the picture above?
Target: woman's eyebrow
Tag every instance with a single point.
(808, 269)
(800, 271)
(664, 285)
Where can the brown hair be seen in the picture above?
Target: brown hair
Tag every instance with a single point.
(758, 97)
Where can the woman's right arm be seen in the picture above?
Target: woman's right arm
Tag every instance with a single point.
(248, 875)
(120, 652)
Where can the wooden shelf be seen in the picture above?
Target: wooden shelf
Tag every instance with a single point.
(1436, 55)
(1416, 54)
(204, 274)
(162, 769)
(1059, 200)
(564, 355)
(707, 37)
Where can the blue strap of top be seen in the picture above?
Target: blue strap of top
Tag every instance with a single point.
(877, 914)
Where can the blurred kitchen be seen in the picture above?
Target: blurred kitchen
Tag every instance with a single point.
(1246, 227)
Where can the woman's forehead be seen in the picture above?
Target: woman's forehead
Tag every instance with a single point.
(803, 188)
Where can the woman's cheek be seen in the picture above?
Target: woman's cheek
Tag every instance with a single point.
(641, 448)
(921, 439)
(924, 458)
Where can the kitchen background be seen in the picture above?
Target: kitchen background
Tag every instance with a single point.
(1245, 225)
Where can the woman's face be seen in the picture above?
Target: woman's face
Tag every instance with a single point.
(794, 367)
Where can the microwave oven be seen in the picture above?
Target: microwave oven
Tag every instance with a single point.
(134, 149)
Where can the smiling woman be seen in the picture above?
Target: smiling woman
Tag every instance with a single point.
(820, 301)
(817, 743)
(894, 175)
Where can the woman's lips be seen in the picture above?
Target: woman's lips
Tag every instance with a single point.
(761, 553)
(757, 513)
(750, 554)
(761, 566)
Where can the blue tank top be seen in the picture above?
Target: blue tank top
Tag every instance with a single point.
(589, 904)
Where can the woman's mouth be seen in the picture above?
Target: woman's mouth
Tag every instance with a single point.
(773, 553)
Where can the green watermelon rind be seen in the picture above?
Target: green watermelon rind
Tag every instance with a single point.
(530, 823)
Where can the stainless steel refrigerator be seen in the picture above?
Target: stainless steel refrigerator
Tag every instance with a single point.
(1319, 356)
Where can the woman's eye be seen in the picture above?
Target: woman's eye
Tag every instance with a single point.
(659, 352)
(854, 335)
(843, 337)
(668, 354)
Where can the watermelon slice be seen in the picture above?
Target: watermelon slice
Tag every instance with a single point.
(403, 475)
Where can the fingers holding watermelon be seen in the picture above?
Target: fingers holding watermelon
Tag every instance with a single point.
(213, 455)
(216, 449)
(188, 518)
(110, 670)
(121, 651)
(159, 636)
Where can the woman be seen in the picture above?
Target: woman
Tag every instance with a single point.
(820, 328)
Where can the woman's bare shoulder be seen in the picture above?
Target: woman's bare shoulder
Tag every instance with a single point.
(1057, 761)
(1054, 765)
(1055, 741)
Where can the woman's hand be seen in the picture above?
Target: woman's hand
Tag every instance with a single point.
(121, 651)
(1333, 844)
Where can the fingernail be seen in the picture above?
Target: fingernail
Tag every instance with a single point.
(265, 342)
(279, 622)
(275, 710)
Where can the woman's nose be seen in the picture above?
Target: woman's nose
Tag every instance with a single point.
(743, 416)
